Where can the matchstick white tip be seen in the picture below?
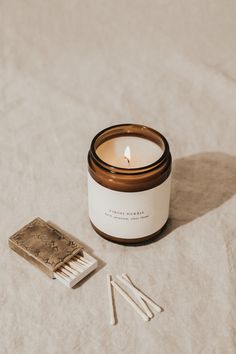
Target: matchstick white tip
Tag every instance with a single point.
(113, 322)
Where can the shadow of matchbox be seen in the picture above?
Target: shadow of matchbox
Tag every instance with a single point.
(53, 252)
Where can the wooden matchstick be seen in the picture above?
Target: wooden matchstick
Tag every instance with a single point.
(70, 269)
(130, 301)
(62, 275)
(84, 260)
(138, 297)
(79, 258)
(76, 266)
(110, 299)
(67, 272)
(81, 263)
(143, 296)
(75, 261)
(87, 261)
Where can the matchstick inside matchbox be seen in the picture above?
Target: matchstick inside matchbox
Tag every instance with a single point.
(53, 251)
(76, 269)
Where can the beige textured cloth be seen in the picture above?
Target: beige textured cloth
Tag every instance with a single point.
(69, 69)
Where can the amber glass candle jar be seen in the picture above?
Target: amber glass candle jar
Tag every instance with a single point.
(129, 174)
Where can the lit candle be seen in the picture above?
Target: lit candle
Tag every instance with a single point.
(129, 183)
(129, 152)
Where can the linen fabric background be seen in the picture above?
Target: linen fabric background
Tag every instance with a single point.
(69, 69)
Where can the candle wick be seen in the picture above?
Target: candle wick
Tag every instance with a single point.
(127, 154)
(127, 159)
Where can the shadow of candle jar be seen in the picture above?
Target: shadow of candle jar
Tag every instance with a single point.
(200, 183)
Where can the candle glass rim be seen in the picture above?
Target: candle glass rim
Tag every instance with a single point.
(143, 129)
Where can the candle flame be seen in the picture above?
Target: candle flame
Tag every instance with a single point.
(127, 154)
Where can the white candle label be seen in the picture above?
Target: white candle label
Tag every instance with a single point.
(128, 214)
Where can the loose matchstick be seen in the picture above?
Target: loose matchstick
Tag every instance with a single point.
(130, 301)
(138, 297)
(110, 299)
(143, 296)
